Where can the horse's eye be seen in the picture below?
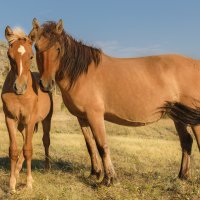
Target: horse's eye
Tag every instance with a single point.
(58, 49)
(31, 57)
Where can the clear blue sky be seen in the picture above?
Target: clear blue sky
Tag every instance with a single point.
(122, 28)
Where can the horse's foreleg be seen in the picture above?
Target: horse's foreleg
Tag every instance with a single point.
(27, 151)
(46, 125)
(19, 164)
(13, 151)
(21, 159)
(96, 122)
(96, 165)
(186, 145)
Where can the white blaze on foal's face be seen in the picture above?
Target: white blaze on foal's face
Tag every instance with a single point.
(21, 50)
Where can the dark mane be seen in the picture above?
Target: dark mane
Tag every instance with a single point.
(76, 55)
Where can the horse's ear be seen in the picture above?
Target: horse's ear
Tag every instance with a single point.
(36, 25)
(8, 33)
(32, 35)
(59, 26)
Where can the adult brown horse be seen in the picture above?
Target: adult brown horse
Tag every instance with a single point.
(24, 104)
(126, 91)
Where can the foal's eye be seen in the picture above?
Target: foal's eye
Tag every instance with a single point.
(31, 57)
(58, 49)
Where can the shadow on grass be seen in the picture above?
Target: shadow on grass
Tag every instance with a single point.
(90, 182)
(58, 165)
(65, 166)
(4, 163)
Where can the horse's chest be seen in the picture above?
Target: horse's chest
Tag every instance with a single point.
(18, 109)
(73, 107)
(23, 114)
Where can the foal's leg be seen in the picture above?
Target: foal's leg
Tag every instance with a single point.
(96, 121)
(46, 125)
(186, 145)
(13, 151)
(96, 166)
(28, 150)
(21, 158)
(19, 164)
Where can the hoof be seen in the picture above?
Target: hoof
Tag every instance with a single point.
(96, 175)
(29, 183)
(184, 176)
(47, 165)
(111, 181)
(12, 184)
(12, 191)
(29, 186)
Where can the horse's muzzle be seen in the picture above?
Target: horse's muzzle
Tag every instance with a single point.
(46, 86)
(19, 90)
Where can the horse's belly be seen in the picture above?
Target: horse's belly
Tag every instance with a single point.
(134, 117)
(136, 111)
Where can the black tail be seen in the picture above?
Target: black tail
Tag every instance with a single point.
(183, 113)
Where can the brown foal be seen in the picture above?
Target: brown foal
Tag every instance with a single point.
(24, 104)
(127, 91)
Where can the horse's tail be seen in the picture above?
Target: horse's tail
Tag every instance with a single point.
(182, 113)
(36, 128)
(185, 115)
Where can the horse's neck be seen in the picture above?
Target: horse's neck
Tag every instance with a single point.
(63, 83)
(30, 80)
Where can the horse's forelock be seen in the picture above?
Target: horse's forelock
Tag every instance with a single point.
(18, 33)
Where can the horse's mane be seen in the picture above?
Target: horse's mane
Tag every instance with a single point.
(18, 33)
(77, 56)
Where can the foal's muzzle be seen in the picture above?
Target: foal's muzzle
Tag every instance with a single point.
(19, 89)
(46, 86)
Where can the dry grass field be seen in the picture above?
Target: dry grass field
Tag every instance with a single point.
(146, 159)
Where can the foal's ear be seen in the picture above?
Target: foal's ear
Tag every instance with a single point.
(8, 33)
(59, 26)
(36, 25)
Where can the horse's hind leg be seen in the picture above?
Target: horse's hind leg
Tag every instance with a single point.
(46, 125)
(96, 166)
(186, 145)
(13, 151)
(196, 131)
